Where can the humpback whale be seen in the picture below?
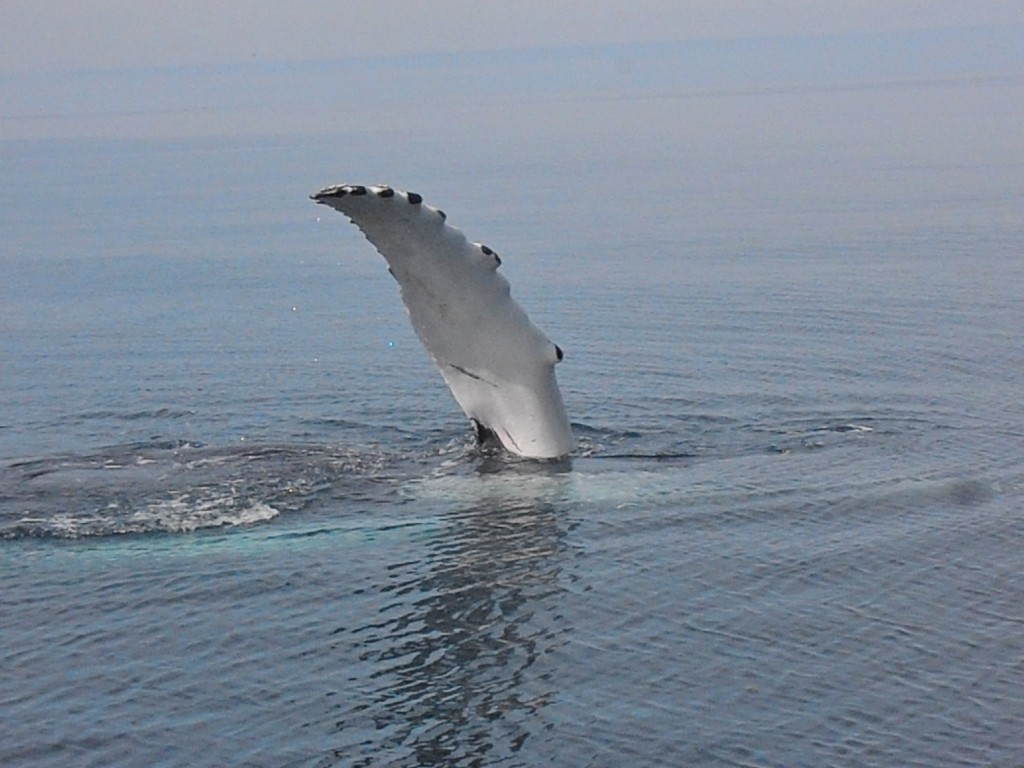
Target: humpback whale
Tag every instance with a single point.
(498, 365)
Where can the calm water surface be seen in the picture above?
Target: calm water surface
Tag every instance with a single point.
(242, 521)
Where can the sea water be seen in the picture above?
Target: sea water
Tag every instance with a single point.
(242, 522)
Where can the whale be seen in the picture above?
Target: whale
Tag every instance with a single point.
(499, 366)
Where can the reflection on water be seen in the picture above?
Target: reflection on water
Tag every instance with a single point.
(458, 661)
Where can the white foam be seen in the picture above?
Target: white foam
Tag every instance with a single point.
(185, 514)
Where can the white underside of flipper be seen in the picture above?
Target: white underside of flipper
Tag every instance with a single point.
(499, 366)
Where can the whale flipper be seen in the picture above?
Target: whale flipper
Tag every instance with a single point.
(499, 366)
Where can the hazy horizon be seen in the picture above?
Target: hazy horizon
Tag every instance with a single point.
(163, 70)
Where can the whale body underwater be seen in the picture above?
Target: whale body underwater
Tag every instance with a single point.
(499, 366)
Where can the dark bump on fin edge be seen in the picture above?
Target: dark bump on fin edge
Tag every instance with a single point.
(442, 214)
(359, 190)
(558, 353)
(414, 198)
(489, 252)
(385, 192)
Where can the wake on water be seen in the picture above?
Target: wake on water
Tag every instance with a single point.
(182, 487)
(174, 487)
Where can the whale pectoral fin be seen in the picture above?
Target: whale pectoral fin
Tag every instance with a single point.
(462, 311)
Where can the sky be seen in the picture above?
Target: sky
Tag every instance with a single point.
(64, 35)
(148, 68)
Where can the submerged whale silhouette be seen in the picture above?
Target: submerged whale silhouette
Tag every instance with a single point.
(498, 365)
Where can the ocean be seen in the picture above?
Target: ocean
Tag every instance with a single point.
(242, 521)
